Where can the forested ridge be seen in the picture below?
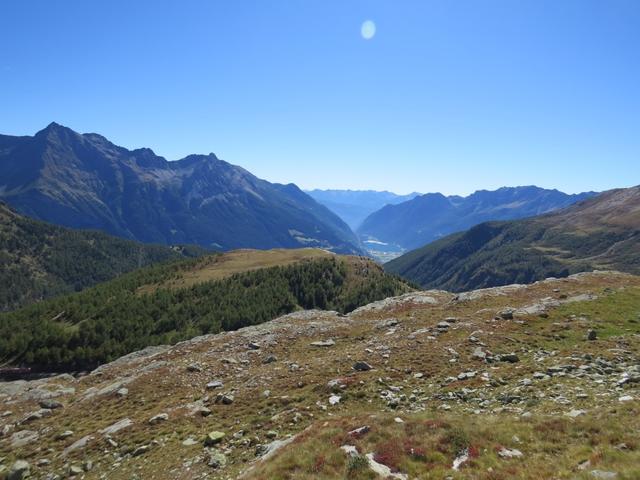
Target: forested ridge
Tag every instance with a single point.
(102, 323)
(39, 260)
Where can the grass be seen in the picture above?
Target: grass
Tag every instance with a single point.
(425, 444)
(217, 267)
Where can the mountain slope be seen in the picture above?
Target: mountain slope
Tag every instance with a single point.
(85, 181)
(426, 218)
(39, 260)
(180, 300)
(353, 206)
(450, 386)
(600, 233)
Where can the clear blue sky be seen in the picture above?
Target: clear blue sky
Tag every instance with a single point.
(448, 96)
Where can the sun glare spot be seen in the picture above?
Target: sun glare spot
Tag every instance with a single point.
(368, 30)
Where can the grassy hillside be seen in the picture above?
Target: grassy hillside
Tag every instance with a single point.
(167, 303)
(39, 260)
(598, 234)
(528, 396)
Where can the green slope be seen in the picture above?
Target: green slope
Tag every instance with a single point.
(601, 233)
(39, 260)
(150, 306)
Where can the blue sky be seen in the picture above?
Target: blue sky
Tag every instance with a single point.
(450, 96)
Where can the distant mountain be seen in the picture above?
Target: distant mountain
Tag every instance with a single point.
(429, 217)
(599, 233)
(85, 181)
(353, 206)
(39, 260)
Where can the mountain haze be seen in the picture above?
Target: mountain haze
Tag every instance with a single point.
(85, 181)
(601, 233)
(353, 206)
(426, 218)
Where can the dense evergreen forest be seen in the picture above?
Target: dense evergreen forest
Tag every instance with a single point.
(82, 330)
(39, 260)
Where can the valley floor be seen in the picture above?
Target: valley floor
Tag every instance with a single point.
(516, 382)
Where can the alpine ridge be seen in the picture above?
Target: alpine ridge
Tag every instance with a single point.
(85, 181)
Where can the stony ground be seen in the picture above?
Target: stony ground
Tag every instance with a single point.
(532, 382)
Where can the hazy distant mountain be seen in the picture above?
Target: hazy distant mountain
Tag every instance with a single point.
(599, 233)
(353, 206)
(85, 181)
(426, 218)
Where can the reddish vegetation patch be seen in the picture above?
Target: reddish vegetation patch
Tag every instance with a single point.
(319, 463)
(473, 452)
(435, 424)
(389, 453)
(413, 450)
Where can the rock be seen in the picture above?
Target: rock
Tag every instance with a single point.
(382, 470)
(217, 460)
(479, 354)
(161, 417)
(214, 384)
(602, 475)
(65, 434)
(253, 346)
(323, 343)
(50, 404)
(77, 445)
(75, 470)
(625, 398)
(142, 449)
(267, 451)
(194, 367)
(189, 442)
(575, 413)
(270, 359)
(122, 392)
(509, 357)
(509, 453)
(443, 325)
(19, 470)
(359, 432)
(334, 399)
(37, 415)
(361, 366)
(22, 438)
(225, 399)
(213, 438)
(592, 334)
(116, 427)
(506, 314)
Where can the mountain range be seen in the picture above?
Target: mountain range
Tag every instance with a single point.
(425, 218)
(85, 181)
(353, 206)
(600, 233)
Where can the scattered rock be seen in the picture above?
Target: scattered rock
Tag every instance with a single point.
(161, 417)
(334, 399)
(323, 343)
(22, 438)
(602, 475)
(361, 366)
(224, 399)
(19, 470)
(509, 453)
(214, 384)
(50, 404)
(213, 438)
(217, 460)
(142, 449)
(116, 427)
